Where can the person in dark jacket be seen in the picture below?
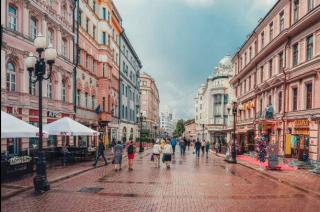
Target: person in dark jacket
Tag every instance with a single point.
(100, 152)
(197, 146)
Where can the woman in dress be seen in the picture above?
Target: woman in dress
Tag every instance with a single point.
(118, 150)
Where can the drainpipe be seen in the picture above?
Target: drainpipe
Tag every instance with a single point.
(119, 87)
(75, 53)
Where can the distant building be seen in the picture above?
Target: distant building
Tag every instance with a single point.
(149, 102)
(212, 118)
(166, 124)
(190, 129)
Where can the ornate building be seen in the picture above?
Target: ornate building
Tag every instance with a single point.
(21, 22)
(211, 115)
(278, 67)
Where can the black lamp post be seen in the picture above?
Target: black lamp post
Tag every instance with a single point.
(36, 67)
(141, 149)
(202, 132)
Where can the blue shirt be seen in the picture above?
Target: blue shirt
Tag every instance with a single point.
(173, 142)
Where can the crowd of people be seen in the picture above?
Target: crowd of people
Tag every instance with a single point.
(164, 149)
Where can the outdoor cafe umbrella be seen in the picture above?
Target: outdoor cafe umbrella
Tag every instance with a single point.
(68, 127)
(12, 127)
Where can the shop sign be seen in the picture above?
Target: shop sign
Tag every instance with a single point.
(52, 114)
(273, 160)
(19, 160)
(301, 131)
(301, 123)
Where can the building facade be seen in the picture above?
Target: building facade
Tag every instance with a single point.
(167, 126)
(130, 66)
(277, 74)
(149, 102)
(213, 120)
(190, 130)
(21, 22)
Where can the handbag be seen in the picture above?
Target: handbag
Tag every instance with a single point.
(113, 161)
(152, 157)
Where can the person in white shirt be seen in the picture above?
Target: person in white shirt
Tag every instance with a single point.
(156, 153)
(167, 153)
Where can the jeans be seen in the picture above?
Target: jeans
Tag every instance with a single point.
(198, 152)
(173, 149)
(182, 149)
(98, 156)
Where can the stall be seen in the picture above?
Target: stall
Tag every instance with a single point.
(14, 128)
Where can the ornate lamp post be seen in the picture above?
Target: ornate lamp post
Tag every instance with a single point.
(36, 67)
(140, 117)
(234, 107)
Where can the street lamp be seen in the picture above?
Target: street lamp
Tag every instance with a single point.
(155, 131)
(202, 132)
(233, 106)
(140, 117)
(36, 67)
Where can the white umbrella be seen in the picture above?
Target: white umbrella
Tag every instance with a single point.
(68, 126)
(12, 127)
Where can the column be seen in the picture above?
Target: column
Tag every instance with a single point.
(26, 19)
(4, 16)
(59, 40)
(44, 26)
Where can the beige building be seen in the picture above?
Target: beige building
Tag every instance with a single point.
(190, 130)
(149, 102)
(278, 66)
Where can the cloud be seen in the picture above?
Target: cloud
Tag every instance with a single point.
(199, 3)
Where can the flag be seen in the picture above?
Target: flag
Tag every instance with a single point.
(98, 109)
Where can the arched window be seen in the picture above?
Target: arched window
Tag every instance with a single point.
(49, 89)
(12, 17)
(63, 91)
(11, 77)
(33, 30)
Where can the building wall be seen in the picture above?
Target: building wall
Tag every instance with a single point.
(53, 21)
(190, 130)
(261, 79)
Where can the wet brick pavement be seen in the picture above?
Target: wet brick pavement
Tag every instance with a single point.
(190, 185)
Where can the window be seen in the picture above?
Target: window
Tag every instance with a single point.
(104, 38)
(94, 32)
(87, 60)
(64, 47)
(86, 99)
(294, 99)
(281, 22)
(12, 19)
(122, 112)
(63, 95)
(309, 96)
(309, 47)
(310, 5)
(109, 17)
(104, 13)
(11, 77)
(296, 10)
(104, 70)
(33, 30)
(279, 102)
(103, 104)
(280, 62)
(49, 89)
(261, 105)
(295, 52)
(261, 74)
(225, 99)
(262, 40)
(249, 82)
(271, 31)
(250, 53)
(92, 102)
(78, 98)
(51, 37)
(270, 68)
(245, 59)
(254, 79)
(87, 25)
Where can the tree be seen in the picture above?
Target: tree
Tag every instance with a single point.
(179, 128)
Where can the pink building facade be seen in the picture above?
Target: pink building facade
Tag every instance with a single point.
(21, 22)
(279, 65)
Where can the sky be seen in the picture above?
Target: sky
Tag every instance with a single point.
(181, 41)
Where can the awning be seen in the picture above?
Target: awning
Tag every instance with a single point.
(68, 126)
(12, 127)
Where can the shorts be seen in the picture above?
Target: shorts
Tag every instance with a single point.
(131, 156)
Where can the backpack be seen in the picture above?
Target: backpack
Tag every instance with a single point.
(130, 149)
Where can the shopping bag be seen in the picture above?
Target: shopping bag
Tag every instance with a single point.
(152, 157)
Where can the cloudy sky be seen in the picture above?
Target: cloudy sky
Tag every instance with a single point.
(180, 41)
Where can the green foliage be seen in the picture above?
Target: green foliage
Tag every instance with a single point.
(179, 128)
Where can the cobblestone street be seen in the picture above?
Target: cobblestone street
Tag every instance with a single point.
(190, 185)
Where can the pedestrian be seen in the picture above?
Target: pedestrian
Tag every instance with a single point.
(167, 152)
(156, 153)
(131, 150)
(182, 146)
(217, 146)
(100, 152)
(202, 146)
(189, 142)
(118, 151)
(207, 148)
(162, 143)
(173, 144)
(113, 144)
(185, 145)
(197, 147)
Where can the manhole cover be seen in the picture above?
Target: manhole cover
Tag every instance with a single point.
(90, 190)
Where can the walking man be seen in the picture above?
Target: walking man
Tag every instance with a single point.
(197, 146)
(173, 144)
(156, 153)
(207, 148)
(100, 152)
(182, 147)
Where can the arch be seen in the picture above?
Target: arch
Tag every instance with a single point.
(11, 76)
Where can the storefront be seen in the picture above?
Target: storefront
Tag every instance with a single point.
(298, 139)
